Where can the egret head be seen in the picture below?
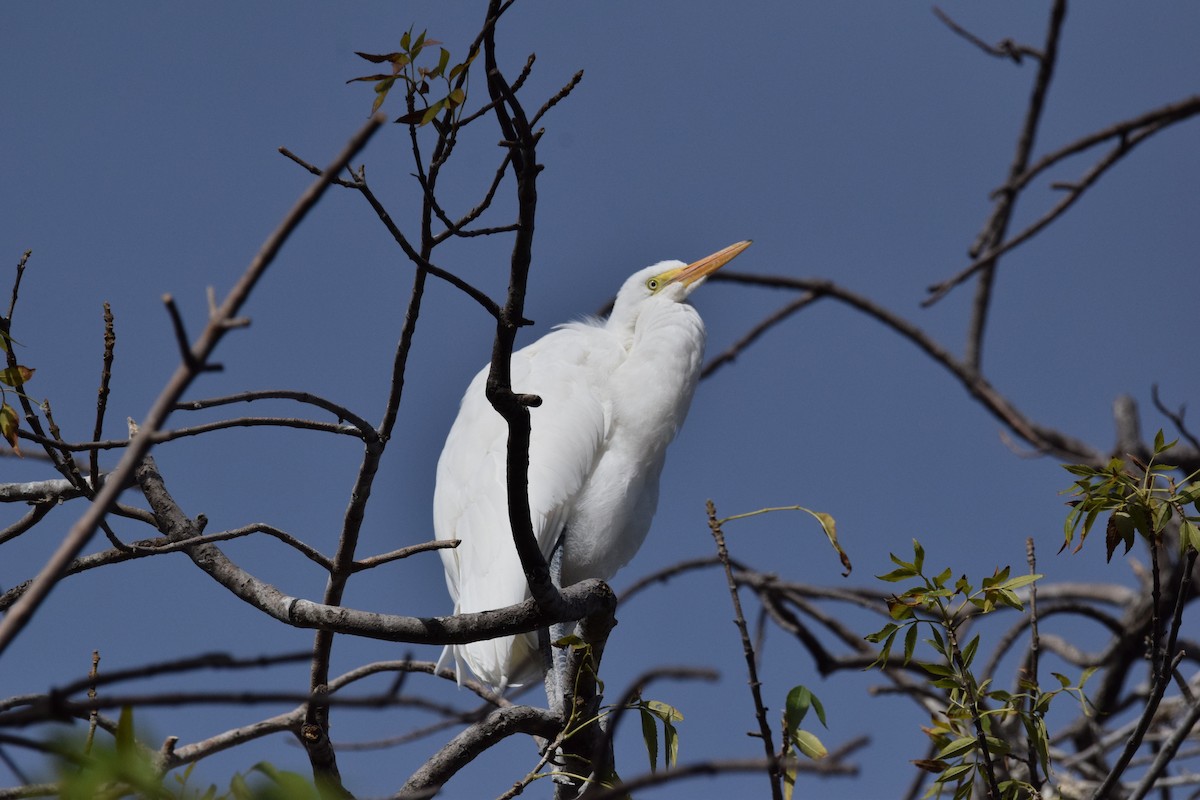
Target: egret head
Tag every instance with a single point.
(670, 281)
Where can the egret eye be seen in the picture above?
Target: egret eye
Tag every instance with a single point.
(652, 284)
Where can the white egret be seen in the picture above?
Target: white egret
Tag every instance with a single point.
(614, 393)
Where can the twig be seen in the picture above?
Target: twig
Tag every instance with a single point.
(81, 532)
(110, 342)
(94, 717)
(29, 519)
(558, 97)
(998, 225)
(1176, 418)
(1007, 48)
(1074, 192)
(403, 552)
(751, 336)
(196, 430)
(1031, 758)
(340, 411)
(399, 237)
(181, 339)
(774, 770)
(462, 749)
(1167, 752)
(1160, 679)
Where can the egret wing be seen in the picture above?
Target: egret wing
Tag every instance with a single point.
(568, 369)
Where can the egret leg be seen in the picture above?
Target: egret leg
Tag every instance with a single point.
(554, 659)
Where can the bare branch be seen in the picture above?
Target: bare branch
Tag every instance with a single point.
(774, 770)
(462, 749)
(1045, 440)
(80, 533)
(997, 226)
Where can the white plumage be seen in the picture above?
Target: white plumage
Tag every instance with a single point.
(614, 393)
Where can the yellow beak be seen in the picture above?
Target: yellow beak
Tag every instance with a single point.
(705, 266)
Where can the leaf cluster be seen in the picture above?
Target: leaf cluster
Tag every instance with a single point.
(1140, 499)
(795, 709)
(966, 733)
(422, 108)
(653, 712)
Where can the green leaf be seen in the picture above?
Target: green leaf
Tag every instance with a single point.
(886, 650)
(956, 771)
(897, 575)
(126, 743)
(799, 700)
(649, 736)
(968, 653)
(9, 423)
(820, 710)
(910, 643)
(940, 579)
(381, 92)
(443, 62)
(1020, 581)
(887, 630)
(671, 745)
(937, 641)
(958, 747)
(809, 744)
(789, 783)
(941, 670)
(432, 111)
(15, 376)
(1188, 494)
(665, 712)
(1189, 535)
(284, 785)
(239, 789)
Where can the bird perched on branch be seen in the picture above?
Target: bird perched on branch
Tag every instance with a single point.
(614, 393)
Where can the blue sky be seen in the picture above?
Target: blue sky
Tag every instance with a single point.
(857, 142)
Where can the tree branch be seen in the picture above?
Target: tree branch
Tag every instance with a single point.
(81, 532)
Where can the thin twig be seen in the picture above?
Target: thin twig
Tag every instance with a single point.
(110, 342)
(1006, 48)
(774, 771)
(1031, 662)
(81, 532)
(998, 226)
(1176, 418)
(752, 335)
